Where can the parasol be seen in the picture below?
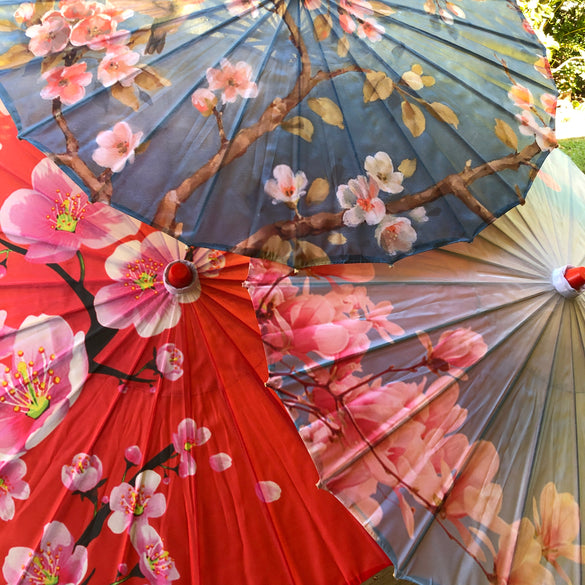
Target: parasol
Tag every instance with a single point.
(305, 132)
(138, 443)
(442, 398)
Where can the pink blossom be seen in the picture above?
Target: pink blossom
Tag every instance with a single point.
(268, 491)
(457, 348)
(370, 29)
(204, 100)
(157, 566)
(232, 81)
(133, 454)
(169, 359)
(545, 136)
(95, 31)
(395, 234)
(549, 103)
(76, 9)
(347, 23)
(312, 4)
(24, 13)
(51, 36)
(57, 560)
(134, 505)
(557, 525)
(521, 96)
(286, 186)
(12, 487)
(518, 560)
(55, 217)
(360, 198)
(116, 147)
(543, 67)
(118, 66)
(239, 7)
(39, 381)
(361, 9)
(188, 435)
(83, 474)
(66, 83)
(138, 295)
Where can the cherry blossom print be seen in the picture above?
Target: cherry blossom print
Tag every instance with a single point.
(55, 217)
(188, 435)
(134, 505)
(549, 103)
(370, 29)
(39, 381)
(51, 36)
(545, 136)
(418, 214)
(395, 234)
(239, 7)
(24, 13)
(156, 564)
(133, 454)
(518, 560)
(66, 83)
(557, 523)
(457, 349)
(543, 67)
(360, 198)
(116, 147)
(381, 169)
(232, 81)
(12, 487)
(169, 359)
(138, 295)
(57, 560)
(5, 338)
(521, 96)
(76, 9)
(95, 31)
(117, 66)
(84, 473)
(220, 462)
(204, 101)
(268, 491)
(286, 186)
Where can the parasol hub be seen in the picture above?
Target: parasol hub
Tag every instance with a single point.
(180, 277)
(569, 280)
(575, 276)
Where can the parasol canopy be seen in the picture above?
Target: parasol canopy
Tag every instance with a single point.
(138, 443)
(303, 131)
(442, 398)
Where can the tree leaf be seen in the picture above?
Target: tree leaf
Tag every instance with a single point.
(126, 96)
(318, 191)
(413, 119)
(322, 27)
(308, 254)
(328, 110)
(16, 56)
(150, 80)
(276, 249)
(336, 238)
(343, 46)
(443, 113)
(8, 26)
(407, 167)
(505, 133)
(380, 8)
(300, 126)
(378, 86)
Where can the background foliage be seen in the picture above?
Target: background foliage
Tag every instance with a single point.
(560, 25)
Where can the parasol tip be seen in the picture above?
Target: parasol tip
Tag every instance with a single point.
(179, 275)
(575, 276)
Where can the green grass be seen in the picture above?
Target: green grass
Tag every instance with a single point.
(575, 148)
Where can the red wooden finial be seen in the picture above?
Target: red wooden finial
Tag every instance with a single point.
(576, 277)
(179, 275)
